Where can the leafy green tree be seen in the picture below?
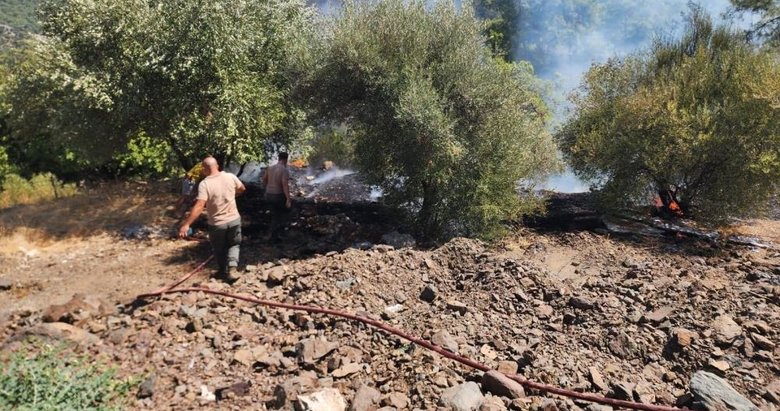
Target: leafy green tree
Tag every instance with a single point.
(695, 120)
(444, 128)
(205, 77)
(768, 26)
(40, 134)
(501, 18)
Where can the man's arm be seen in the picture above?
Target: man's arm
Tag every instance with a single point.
(240, 188)
(197, 209)
(286, 188)
(265, 177)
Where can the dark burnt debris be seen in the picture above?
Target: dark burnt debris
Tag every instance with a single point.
(334, 209)
(330, 214)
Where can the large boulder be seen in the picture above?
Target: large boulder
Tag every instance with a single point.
(715, 394)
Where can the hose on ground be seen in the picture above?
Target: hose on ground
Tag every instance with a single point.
(550, 389)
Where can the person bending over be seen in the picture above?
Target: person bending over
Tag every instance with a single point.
(217, 194)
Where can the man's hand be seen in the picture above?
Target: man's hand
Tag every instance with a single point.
(288, 204)
(194, 214)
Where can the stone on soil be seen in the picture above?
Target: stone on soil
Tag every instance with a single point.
(716, 394)
(463, 397)
(445, 340)
(726, 330)
(313, 349)
(365, 399)
(146, 389)
(328, 399)
(498, 384)
(428, 293)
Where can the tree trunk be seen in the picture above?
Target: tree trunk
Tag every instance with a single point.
(670, 204)
(184, 162)
(228, 161)
(427, 217)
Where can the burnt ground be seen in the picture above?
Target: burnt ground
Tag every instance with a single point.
(628, 316)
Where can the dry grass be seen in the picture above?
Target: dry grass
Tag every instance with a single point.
(768, 230)
(105, 208)
(41, 187)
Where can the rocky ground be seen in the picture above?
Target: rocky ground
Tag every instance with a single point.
(623, 319)
(626, 317)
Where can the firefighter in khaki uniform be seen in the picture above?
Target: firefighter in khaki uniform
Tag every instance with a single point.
(217, 194)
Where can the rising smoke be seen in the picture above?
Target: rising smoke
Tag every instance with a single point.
(563, 38)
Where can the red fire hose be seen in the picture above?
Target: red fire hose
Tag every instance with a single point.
(416, 340)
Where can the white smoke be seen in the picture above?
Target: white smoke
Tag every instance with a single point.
(332, 174)
(376, 193)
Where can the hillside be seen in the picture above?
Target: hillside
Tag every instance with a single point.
(19, 14)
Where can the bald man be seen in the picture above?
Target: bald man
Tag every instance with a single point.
(217, 194)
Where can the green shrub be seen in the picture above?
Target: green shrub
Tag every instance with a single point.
(145, 157)
(695, 120)
(6, 167)
(43, 377)
(41, 187)
(335, 145)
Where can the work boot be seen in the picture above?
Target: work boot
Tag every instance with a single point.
(231, 275)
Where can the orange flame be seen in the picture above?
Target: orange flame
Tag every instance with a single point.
(298, 163)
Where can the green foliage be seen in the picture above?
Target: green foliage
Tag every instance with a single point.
(337, 145)
(145, 157)
(205, 77)
(444, 128)
(19, 14)
(697, 117)
(768, 25)
(41, 187)
(37, 135)
(6, 167)
(501, 18)
(50, 126)
(42, 377)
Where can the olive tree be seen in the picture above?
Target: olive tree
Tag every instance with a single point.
(694, 120)
(767, 27)
(447, 130)
(204, 76)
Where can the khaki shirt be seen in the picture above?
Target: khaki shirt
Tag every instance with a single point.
(219, 193)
